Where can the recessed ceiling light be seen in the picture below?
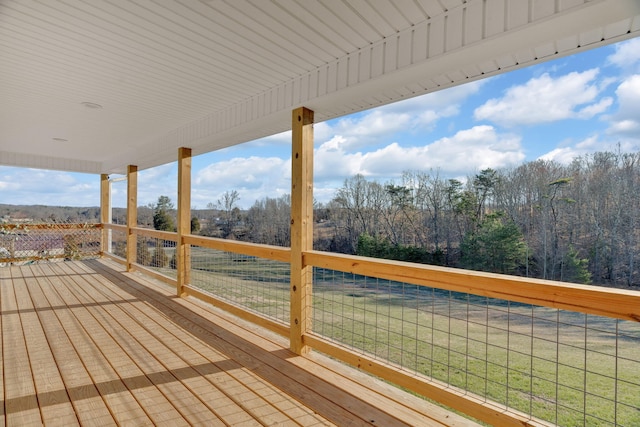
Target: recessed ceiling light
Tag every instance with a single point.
(92, 105)
(59, 139)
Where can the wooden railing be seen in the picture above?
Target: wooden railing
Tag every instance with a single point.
(587, 300)
(26, 243)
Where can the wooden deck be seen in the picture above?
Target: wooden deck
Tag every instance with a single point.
(84, 343)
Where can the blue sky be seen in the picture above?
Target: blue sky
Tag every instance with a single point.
(556, 110)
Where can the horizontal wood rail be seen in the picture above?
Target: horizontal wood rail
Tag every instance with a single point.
(614, 303)
(156, 234)
(275, 253)
(118, 227)
(49, 226)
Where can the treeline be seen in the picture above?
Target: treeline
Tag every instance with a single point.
(576, 223)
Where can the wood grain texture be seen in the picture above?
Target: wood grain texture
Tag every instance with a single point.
(301, 225)
(132, 214)
(609, 302)
(87, 343)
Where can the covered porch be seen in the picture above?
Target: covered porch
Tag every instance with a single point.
(106, 341)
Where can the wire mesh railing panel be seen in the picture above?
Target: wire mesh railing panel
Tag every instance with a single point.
(157, 254)
(567, 368)
(117, 242)
(27, 243)
(256, 284)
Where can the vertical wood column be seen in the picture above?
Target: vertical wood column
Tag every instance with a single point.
(183, 251)
(132, 214)
(301, 226)
(105, 211)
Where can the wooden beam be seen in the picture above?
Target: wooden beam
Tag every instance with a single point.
(616, 303)
(132, 214)
(105, 211)
(301, 226)
(271, 252)
(183, 251)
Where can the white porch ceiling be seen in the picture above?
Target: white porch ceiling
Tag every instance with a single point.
(208, 74)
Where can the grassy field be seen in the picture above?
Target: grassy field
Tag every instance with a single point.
(566, 368)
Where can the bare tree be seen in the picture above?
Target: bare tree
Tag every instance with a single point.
(229, 211)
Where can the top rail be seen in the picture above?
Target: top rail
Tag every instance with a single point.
(49, 226)
(156, 234)
(615, 303)
(120, 227)
(275, 253)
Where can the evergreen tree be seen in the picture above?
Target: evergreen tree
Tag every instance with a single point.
(161, 218)
(575, 269)
(496, 246)
(375, 247)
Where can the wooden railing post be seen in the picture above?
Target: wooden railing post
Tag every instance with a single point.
(132, 214)
(183, 250)
(105, 212)
(301, 226)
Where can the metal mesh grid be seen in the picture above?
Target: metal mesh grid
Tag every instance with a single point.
(117, 242)
(157, 254)
(563, 367)
(26, 243)
(256, 284)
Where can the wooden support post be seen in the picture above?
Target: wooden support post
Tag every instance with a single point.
(132, 215)
(105, 211)
(183, 251)
(301, 227)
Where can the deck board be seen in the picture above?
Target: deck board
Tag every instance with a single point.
(4, 278)
(21, 404)
(55, 405)
(89, 406)
(88, 344)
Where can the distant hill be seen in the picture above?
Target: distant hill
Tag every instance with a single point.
(42, 213)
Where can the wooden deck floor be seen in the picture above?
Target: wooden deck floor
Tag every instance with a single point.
(84, 343)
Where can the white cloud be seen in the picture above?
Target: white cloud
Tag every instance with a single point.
(594, 109)
(627, 54)
(46, 187)
(414, 115)
(253, 177)
(369, 129)
(152, 183)
(566, 154)
(547, 99)
(333, 161)
(468, 150)
(631, 127)
(625, 123)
